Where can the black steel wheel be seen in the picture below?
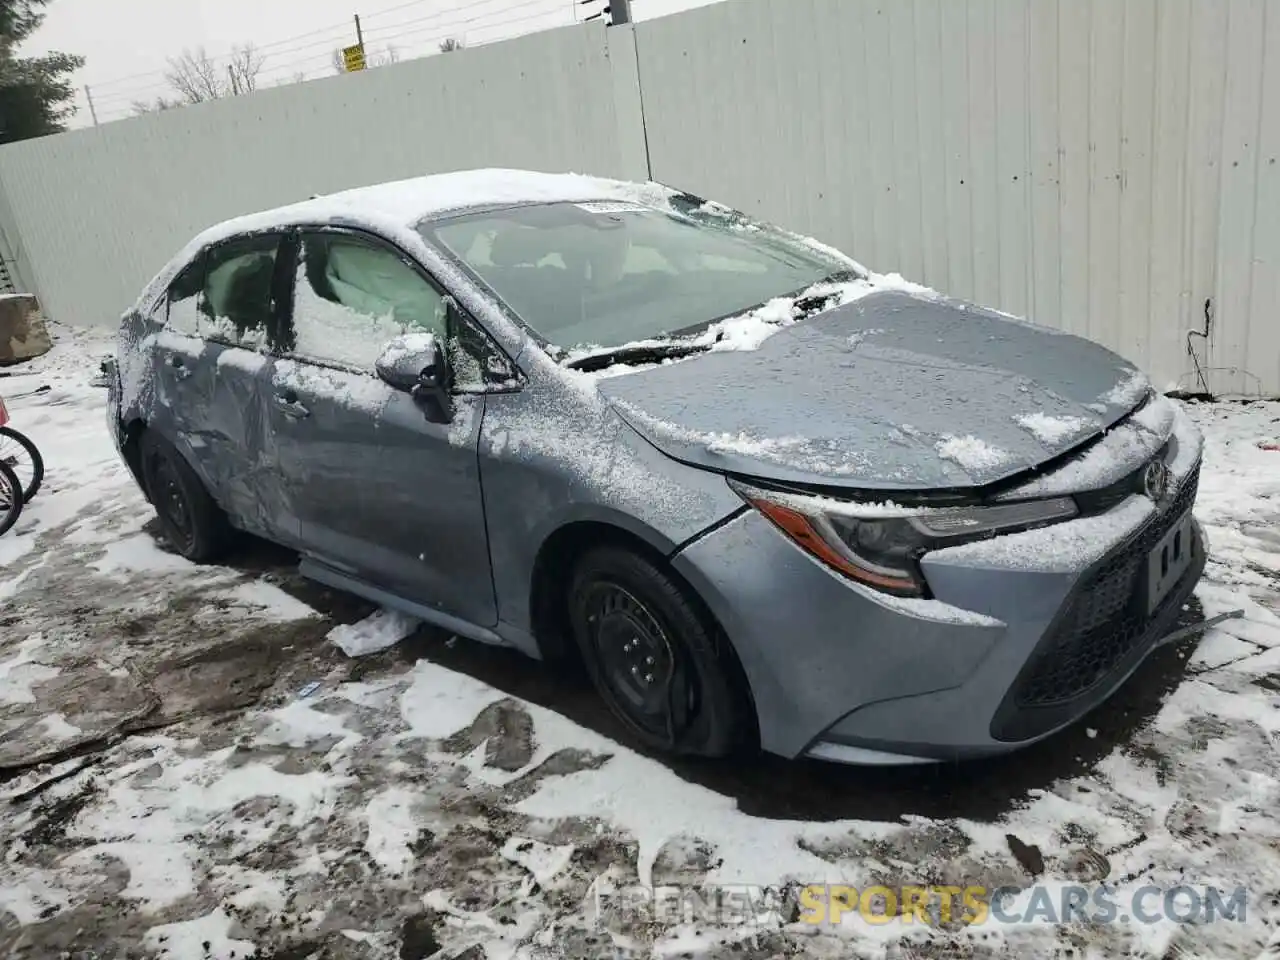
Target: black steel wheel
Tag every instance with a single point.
(11, 500)
(192, 523)
(658, 663)
(21, 456)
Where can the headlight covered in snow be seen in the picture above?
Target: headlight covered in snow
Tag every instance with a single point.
(880, 545)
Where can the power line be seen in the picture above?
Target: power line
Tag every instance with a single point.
(232, 54)
(465, 21)
(442, 24)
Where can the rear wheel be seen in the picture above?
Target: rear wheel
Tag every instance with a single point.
(192, 523)
(21, 456)
(660, 666)
(10, 498)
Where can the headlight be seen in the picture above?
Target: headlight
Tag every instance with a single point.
(880, 545)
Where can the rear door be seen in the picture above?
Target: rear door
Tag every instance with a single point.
(212, 378)
(378, 491)
(180, 379)
(243, 311)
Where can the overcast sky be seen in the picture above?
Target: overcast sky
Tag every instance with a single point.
(128, 42)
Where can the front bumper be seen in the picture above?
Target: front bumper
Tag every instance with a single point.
(840, 673)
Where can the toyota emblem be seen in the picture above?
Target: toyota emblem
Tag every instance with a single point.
(1155, 480)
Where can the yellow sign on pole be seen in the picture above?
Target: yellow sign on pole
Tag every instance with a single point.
(353, 58)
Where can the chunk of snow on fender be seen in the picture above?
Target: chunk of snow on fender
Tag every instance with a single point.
(378, 631)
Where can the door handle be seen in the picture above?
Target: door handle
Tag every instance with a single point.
(178, 366)
(290, 407)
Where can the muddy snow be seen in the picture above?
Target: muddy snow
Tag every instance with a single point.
(193, 768)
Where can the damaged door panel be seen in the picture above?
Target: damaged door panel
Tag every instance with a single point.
(182, 377)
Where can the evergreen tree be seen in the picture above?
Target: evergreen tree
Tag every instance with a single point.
(36, 93)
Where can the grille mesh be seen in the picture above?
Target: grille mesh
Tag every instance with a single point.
(1106, 619)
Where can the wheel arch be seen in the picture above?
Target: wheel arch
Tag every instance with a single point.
(131, 449)
(554, 564)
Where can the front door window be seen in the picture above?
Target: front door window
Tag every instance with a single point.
(352, 296)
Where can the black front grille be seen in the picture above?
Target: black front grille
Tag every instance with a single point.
(1106, 619)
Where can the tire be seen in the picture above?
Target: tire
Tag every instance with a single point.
(10, 436)
(193, 524)
(11, 501)
(627, 615)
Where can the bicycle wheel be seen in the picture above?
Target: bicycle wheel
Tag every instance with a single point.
(10, 498)
(20, 455)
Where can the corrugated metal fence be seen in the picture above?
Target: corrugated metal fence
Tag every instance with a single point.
(1106, 166)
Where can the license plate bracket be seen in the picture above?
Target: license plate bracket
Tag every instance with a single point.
(1168, 560)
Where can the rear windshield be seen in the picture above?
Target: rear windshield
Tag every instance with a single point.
(609, 274)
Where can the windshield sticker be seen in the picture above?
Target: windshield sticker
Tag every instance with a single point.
(611, 207)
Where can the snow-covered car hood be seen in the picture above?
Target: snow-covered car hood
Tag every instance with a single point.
(893, 391)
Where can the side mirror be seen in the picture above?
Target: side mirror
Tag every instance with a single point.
(416, 363)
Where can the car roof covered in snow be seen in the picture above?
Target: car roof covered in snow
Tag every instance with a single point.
(394, 208)
(408, 202)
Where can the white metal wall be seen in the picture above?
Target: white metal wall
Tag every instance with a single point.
(1102, 165)
(1105, 166)
(97, 212)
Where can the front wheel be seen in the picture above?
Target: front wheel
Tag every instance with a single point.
(10, 498)
(20, 455)
(660, 666)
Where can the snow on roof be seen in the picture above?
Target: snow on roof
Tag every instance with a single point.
(407, 202)
(394, 208)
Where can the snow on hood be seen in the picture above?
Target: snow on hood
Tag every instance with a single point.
(748, 331)
(894, 388)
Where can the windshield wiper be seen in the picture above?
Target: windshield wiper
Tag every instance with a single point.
(640, 353)
(804, 306)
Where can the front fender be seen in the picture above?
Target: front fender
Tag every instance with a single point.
(547, 462)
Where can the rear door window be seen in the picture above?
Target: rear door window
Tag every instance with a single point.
(238, 296)
(184, 300)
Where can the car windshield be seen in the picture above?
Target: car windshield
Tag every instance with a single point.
(610, 274)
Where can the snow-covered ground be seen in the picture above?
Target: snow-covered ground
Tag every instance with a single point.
(192, 767)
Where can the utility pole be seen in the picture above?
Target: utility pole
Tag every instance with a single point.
(359, 34)
(93, 111)
(618, 12)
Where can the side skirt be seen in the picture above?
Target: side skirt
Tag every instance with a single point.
(321, 572)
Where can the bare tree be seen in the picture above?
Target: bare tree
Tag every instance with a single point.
(392, 55)
(197, 77)
(450, 44)
(242, 72)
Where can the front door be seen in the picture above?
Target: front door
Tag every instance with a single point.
(377, 489)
